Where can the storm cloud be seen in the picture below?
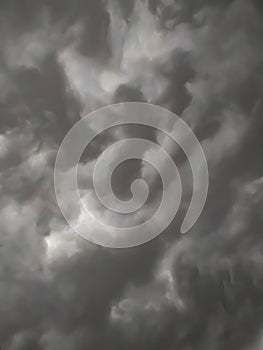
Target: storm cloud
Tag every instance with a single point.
(60, 60)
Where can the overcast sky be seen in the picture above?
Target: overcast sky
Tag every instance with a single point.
(61, 59)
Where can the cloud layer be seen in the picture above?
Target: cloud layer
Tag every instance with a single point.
(62, 59)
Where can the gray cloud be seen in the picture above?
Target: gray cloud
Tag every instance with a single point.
(62, 59)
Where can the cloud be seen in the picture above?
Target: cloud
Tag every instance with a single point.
(60, 60)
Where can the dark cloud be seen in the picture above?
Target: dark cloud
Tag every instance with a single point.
(62, 59)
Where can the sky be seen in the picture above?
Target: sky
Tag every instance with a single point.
(59, 61)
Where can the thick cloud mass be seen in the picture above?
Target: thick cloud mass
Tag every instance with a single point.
(61, 59)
